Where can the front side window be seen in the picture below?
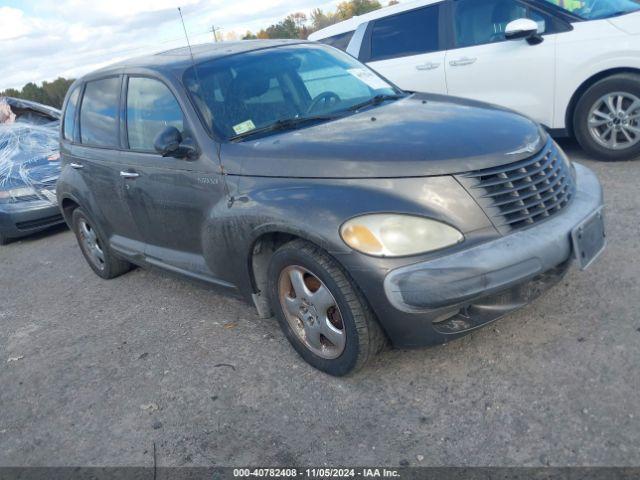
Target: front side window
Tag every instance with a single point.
(596, 9)
(340, 41)
(69, 120)
(99, 113)
(151, 107)
(245, 92)
(410, 33)
(478, 23)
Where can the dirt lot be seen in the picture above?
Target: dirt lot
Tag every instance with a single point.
(106, 369)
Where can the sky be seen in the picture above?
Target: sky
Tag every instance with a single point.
(44, 39)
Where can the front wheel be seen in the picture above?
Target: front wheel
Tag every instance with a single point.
(607, 118)
(321, 311)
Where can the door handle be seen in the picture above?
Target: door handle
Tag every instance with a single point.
(427, 66)
(77, 166)
(125, 174)
(461, 62)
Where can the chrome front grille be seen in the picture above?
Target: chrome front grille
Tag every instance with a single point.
(522, 193)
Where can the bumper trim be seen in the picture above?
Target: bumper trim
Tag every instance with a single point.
(24, 218)
(495, 265)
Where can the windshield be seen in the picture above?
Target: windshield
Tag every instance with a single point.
(596, 9)
(252, 91)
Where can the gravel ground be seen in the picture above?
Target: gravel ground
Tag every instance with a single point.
(105, 369)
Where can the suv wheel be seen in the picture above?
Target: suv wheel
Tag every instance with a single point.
(321, 311)
(95, 249)
(607, 118)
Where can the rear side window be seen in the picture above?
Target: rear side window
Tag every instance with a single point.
(409, 33)
(151, 107)
(340, 41)
(99, 113)
(69, 120)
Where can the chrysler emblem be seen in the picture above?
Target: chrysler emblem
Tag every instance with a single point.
(528, 148)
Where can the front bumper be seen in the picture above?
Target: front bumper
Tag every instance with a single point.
(24, 218)
(461, 291)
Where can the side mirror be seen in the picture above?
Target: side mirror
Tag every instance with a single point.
(169, 143)
(523, 28)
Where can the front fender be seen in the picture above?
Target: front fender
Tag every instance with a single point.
(314, 209)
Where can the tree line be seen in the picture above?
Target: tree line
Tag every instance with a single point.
(49, 93)
(295, 25)
(298, 25)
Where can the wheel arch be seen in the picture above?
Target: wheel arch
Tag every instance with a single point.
(588, 83)
(266, 241)
(67, 206)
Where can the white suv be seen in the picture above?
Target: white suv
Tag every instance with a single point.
(575, 68)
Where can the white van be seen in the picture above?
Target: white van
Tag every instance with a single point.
(575, 69)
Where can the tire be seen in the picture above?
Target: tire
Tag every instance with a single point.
(349, 320)
(625, 86)
(4, 240)
(109, 266)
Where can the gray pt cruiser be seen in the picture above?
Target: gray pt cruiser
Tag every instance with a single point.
(293, 175)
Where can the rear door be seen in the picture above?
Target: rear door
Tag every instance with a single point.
(483, 65)
(170, 198)
(408, 48)
(98, 156)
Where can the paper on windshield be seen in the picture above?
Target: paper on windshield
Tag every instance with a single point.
(243, 127)
(372, 80)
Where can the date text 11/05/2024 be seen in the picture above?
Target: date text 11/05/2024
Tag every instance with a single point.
(316, 472)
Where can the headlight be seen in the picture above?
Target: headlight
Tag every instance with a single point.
(396, 235)
(16, 193)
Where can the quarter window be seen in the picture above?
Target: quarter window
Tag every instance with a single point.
(69, 120)
(99, 113)
(477, 23)
(409, 33)
(151, 107)
(340, 41)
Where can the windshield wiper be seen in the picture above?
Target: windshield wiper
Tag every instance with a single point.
(376, 100)
(284, 124)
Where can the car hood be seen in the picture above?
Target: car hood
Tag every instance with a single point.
(629, 23)
(419, 135)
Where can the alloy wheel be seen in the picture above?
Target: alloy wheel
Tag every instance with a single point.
(614, 120)
(91, 244)
(312, 312)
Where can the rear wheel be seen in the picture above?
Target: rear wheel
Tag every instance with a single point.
(321, 311)
(607, 118)
(95, 248)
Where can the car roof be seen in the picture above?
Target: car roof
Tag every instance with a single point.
(22, 104)
(180, 58)
(352, 23)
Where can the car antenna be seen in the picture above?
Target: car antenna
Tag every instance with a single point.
(198, 84)
(193, 62)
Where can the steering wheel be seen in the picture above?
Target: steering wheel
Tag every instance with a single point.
(325, 99)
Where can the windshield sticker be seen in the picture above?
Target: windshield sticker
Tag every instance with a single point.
(244, 127)
(368, 77)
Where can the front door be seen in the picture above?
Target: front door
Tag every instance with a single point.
(407, 49)
(484, 66)
(170, 198)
